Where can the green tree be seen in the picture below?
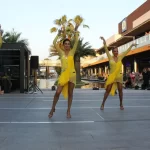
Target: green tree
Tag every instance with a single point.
(83, 50)
(13, 37)
(52, 51)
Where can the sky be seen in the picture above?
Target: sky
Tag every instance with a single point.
(34, 18)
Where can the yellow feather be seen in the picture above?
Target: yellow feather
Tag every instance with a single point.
(54, 29)
(63, 19)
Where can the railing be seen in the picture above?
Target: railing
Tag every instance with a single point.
(144, 40)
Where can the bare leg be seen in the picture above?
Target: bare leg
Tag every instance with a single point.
(108, 89)
(55, 100)
(119, 85)
(70, 96)
(1, 92)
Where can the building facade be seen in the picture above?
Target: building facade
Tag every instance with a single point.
(133, 28)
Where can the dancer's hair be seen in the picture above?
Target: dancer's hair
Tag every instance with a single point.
(114, 48)
(66, 40)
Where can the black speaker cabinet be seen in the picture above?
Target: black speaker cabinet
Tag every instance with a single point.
(34, 62)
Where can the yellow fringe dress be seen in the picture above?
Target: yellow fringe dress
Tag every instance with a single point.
(0, 40)
(68, 72)
(115, 74)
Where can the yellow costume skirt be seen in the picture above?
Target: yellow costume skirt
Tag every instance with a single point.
(63, 80)
(1, 41)
(69, 75)
(114, 78)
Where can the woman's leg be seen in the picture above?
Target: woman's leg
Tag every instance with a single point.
(108, 89)
(119, 85)
(1, 92)
(55, 100)
(70, 97)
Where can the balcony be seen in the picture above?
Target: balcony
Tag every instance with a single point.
(142, 41)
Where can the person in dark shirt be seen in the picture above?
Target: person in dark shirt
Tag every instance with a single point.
(145, 75)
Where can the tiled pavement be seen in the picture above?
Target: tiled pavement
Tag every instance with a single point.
(24, 122)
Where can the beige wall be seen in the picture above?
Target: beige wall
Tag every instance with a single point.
(113, 38)
(141, 19)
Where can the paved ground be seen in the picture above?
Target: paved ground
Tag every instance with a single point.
(24, 124)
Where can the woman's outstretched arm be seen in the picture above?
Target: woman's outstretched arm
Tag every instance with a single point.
(106, 49)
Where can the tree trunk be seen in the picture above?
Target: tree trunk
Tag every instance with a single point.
(77, 67)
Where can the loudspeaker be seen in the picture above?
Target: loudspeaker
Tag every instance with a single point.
(34, 62)
(53, 88)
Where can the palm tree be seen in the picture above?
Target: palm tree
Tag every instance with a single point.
(14, 37)
(52, 51)
(83, 50)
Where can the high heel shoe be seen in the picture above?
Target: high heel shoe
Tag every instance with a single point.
(68, 114)
(121, 107)
(50, 115)
(102, 107)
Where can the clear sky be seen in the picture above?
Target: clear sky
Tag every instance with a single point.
(34, 18)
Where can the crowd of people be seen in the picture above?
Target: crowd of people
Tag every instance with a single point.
(138, 79)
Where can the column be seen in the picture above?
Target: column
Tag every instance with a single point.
(91, 71)
(105, 69)
(100, 70)
(135, 65)
(88, 71)
(95, 71)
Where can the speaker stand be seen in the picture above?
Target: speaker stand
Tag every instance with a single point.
(34, 86)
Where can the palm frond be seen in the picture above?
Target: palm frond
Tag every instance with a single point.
(53, 54)
(84, 49)
(14, 37)
(85, 26)
(25, 41)
(70, 20)
(53, 51)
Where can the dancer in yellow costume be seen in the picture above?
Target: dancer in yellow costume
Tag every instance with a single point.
(1, 32)
(1, 41)
(115, 78)
(67, 79)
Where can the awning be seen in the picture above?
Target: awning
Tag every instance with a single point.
(96, 63)
(132, 52)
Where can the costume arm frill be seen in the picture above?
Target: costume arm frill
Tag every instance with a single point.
(76, 42)
(126, 52)
(56, 44)
(107, 51)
